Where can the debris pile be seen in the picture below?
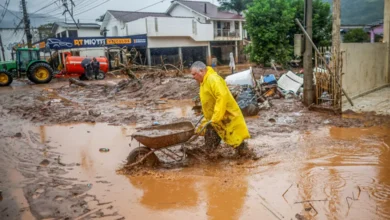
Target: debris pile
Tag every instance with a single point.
(253, 94)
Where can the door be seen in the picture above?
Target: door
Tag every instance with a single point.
(23, 59)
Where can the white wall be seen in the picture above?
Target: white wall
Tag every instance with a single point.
(181, 11)
(137, 27)
(59, 30)
(82, 32)
(179, 27)
(364, 67)
(158, 42)
(92, 52)
(9, 38)
(111, 24)
(88, 32)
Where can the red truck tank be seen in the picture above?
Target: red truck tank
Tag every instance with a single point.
(73, 65)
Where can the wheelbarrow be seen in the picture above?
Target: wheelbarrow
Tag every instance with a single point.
(161, 138)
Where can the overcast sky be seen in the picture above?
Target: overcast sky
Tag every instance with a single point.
(89, 10)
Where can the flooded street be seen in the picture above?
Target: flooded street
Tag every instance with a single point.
(342, 172)
(311, 166)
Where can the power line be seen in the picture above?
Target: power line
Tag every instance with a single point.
(5, 11)
(54, 2)
(88, 5)
(60, 13)
(9, 11)
(150, 5)
(93, 7)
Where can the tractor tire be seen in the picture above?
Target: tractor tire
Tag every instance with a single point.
(101, 75)
(5, 78)
(138, 153)
(40, 73)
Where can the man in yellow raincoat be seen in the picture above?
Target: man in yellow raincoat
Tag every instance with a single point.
(222, 115)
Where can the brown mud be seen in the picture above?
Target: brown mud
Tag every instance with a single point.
(312, 165)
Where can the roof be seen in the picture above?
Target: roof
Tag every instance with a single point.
(376, 23)
(73, 25)
(127, 16)
(81, 25)
(208, 9)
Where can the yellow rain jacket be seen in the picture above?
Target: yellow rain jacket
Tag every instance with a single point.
(220, 107)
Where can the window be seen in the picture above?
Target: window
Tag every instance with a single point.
(63, 34)
(58, 35)
(218, 24)
(72, 33)
(156, 24)
(34, 55)
(24, 59)
(194, 30)
(236, 25)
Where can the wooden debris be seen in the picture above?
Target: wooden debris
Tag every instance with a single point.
(77, 82)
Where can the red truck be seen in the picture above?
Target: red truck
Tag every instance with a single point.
(74, 66)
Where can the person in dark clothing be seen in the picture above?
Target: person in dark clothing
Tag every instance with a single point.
(95, 67)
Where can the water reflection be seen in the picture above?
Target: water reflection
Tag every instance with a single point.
(223, 191)
(350, 169)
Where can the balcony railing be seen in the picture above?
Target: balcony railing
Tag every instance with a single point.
(221, 33)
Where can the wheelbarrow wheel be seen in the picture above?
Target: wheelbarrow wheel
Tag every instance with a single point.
(138, 153)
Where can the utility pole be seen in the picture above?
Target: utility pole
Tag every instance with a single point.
(26, 24)
(308, 92)
(2, 48)
(336, 50)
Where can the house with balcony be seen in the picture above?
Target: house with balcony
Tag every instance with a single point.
(188, 31)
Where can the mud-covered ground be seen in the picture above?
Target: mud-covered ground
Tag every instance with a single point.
(52, 168)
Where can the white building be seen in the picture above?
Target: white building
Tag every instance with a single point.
(188, 30)
(11, 37)
(70, 30)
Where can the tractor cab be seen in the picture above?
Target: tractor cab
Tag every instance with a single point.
(27, 63)
(24, 57)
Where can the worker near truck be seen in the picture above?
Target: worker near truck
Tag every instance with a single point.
(222, 115)
(95, 67)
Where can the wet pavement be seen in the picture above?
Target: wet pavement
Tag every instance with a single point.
(378, 101)
(304, 172)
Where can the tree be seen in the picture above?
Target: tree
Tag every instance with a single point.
(322, 22)
(268, 23)
(356, 36)
(100, 18)
(44, 31)
(234, 5)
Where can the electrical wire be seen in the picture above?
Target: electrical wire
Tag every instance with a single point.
(9, 11)
(92, 7)
(5, 11)
(54, 2)
(150, 5)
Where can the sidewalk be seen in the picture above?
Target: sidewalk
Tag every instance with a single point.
(378, 101)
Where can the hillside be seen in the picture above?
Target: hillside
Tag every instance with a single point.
(360, 11)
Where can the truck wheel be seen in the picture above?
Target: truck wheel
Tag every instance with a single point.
(138, 153)
(40, 73)
(101, 75)
(5, 78)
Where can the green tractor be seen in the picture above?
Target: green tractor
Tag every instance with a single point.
(27, 64)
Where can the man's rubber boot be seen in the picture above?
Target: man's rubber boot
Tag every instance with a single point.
(243, 150)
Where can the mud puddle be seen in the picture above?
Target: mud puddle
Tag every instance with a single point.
(332, 173)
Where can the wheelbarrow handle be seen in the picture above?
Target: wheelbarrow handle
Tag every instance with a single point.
(197, 134)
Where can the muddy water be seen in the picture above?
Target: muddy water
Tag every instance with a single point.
(344, 172)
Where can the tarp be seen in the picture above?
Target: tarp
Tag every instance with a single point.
(247, 101)
(290, 82)
(90, 42)
(241, 78)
